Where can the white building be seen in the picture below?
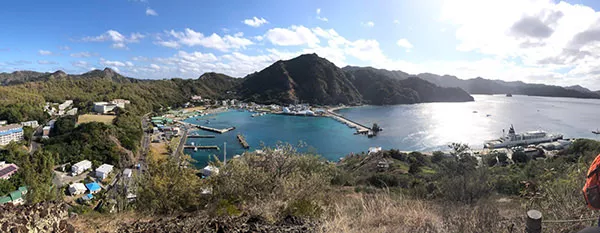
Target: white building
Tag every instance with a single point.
(80, 167)
(3, 123)
(77, 188)
(127, 173)
(120, 102)
(103, 171)
(46, 132)
(72, 112)
(103, 107)
(374, 149)
(224, 102)
(32, 124)
(65, 105)
(10, 133)
(210, 170)
(286, 110)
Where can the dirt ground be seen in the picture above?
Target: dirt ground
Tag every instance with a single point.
(106, 119)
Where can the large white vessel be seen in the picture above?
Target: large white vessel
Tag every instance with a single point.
(519, 139)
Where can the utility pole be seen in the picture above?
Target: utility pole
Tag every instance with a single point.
(224, 153)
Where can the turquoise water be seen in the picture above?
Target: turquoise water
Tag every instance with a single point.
(419, 127)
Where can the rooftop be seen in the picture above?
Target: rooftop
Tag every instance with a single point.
(93, 186)
(105, 168)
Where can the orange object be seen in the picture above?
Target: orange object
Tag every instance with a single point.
(591, 189)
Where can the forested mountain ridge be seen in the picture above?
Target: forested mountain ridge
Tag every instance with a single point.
(486, 86)
(312, 79)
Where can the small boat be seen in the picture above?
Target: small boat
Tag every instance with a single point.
(474, 111)
(508, 95)
(596, 131)
(488, 115)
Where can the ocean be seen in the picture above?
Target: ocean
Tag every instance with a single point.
(417, 127)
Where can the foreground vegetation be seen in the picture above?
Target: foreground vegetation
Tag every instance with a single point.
(415, 193)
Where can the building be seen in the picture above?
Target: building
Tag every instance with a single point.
(77, 188)
(17, 195)
(104, 107)
(87, 197)
(46, 132)
(32, 124)
(93, 187)
(72, 112)
(80, 167)
(120, 102)
(3, 123)
(373, 150)
(10, 133)
(5, 199)
(210, 170)
(7, 170)
(103, 171)
(127, 173)
(224, 102)
(65, 105)
(196, 98)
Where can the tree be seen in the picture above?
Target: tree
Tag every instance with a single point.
(437, 156)
(37, 174)
(520, 157)
(63, 125)
(414, 168)
(491, 160)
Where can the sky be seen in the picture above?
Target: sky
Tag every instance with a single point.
(536, 41)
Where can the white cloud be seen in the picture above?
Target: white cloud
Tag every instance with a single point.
(295, 35)
(45, 52)
(324, 19)
(151, 12)
(255, 22)
(46, 62)
(155, 66)
(65, 48)
(109, 63)
(192, 38)
(396, 21)
(81, 54)
(81, 64)
(368, 24)
(404, 43)
(118, 39)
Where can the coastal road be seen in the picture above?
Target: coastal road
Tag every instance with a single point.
(181, 143)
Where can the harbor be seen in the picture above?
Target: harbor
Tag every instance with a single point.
(360, 129)
(242, 141)
(221, 131)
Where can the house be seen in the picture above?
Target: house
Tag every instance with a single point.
(5, 199)
(87, 197)
(104, 107)
(103, 171)
(16, 197)
(46, 132)
(210, 170)
(80, 167)
(65, 105)
(127, 173)
(10, 133)
(374, 150)
(32, 124)
(77, 188)
(196, 98)
(7, 170)
(72, 112)
(120, 102)
(3, 123)
(93, 187)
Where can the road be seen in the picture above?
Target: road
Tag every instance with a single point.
(181, 143)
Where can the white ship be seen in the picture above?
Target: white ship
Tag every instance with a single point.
(519, 139)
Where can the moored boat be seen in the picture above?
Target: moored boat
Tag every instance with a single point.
(519, 139)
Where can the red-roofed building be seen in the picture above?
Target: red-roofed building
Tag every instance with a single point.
(7, 170)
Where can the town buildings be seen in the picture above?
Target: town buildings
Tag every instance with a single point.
(32, 124)
(77, 188)
(10, 133)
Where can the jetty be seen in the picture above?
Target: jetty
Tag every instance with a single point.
(208, 128)
(201, 147)
(360, 128)
(200, 136)
(242, 141)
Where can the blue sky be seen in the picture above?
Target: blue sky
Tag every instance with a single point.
(540, 41)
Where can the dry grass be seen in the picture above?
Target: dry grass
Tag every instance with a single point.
(97, 222)
(199, 108)
(387, 213)
(106, 119)
(160, 148)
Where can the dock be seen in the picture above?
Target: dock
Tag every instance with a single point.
(360, 128)
(201, 147)
(201, 136)
(242, 141)
(215, 130)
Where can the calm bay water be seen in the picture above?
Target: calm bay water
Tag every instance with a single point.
(418, 127)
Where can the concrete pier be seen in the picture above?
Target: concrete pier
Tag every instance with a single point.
(201, 136)
(242, 141)
(201, 147)
(208, 128)
(360, 129)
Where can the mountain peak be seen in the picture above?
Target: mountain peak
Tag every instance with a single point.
(108, 71)
(59, 73)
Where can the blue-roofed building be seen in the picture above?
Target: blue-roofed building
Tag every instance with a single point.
(10, 133)
(87, 197)
(93, 187)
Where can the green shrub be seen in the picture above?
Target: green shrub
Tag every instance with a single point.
(226, 208)
(304, 208)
